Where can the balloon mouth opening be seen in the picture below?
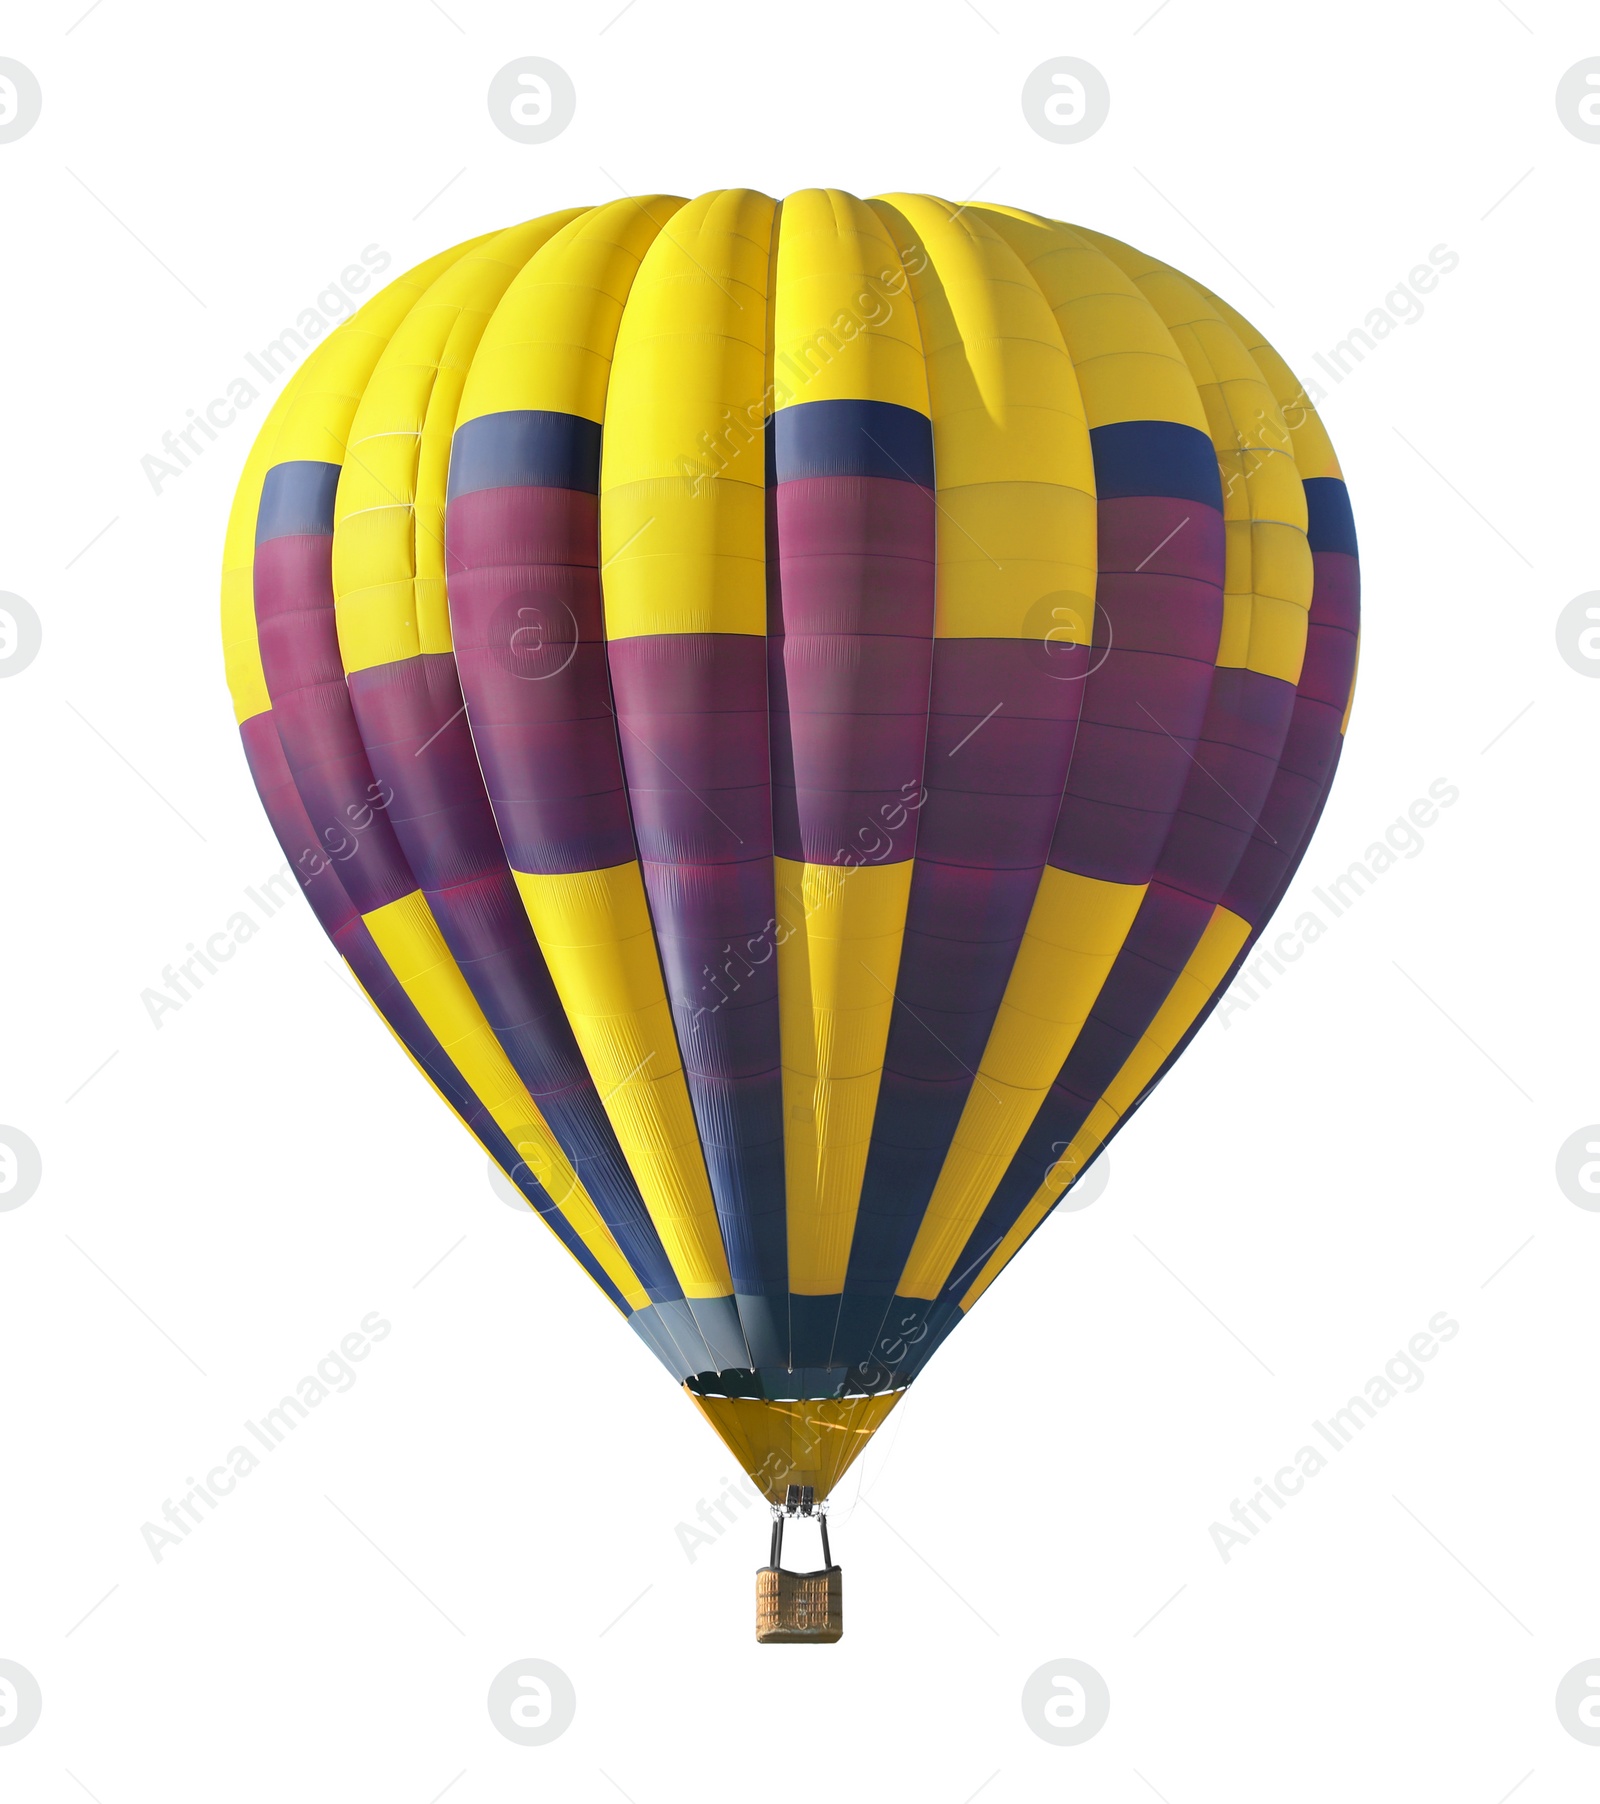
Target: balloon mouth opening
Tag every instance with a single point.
(769, 1386)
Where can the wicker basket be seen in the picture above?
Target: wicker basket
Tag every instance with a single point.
(799, 1606)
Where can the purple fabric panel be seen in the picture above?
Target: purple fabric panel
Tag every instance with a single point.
(850, 651)
(1311, 747)
(413, 723)
(286, 814)
(1158, 620)
(691, 709)
(692, 725)
(1235, 761)
(311, 708)
(692, 721)
(526, 620)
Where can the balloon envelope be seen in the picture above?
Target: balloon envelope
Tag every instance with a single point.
(793, 714)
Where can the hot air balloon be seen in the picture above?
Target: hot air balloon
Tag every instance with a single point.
(793, 713)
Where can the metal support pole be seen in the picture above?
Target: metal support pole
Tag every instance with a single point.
(822, 1523)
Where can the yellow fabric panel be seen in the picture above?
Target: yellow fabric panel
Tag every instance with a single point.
(1313, 449)
(341, 362)
(803, 1443)
(838, 959)
(548, 347)
(409, 940)
(1015, 543)
(1074, 933)
(683, 462)
(844, 327)
(1128, 368)
(1207, 966)
(1014, 560)
(388, 537)
(1267, 573)
(594, 930)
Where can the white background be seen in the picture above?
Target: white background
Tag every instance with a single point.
(1366, 1144)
